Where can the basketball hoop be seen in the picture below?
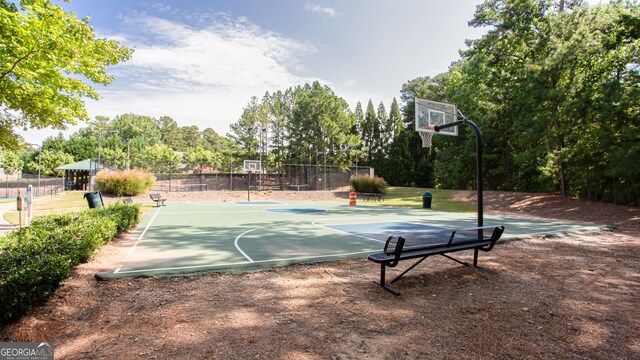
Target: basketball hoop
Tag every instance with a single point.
(426, 134)
(430, 114)
(426, 138)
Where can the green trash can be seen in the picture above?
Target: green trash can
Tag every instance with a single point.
(94, 199)
(426, 200)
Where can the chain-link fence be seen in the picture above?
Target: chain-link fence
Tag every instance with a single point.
(43, 185)
(176, 177)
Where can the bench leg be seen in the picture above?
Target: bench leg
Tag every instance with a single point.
(406, 271)
(475, 261)
(382, 283)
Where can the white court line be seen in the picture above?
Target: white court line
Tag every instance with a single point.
(316, 223)
(235, 243)
(212, 212)
(244, 263)
(346, 232)
(137, 241)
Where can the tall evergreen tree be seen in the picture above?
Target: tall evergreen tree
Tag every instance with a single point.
(395, 118)
(370, 132)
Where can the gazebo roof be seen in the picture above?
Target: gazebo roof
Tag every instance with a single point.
(87, 165)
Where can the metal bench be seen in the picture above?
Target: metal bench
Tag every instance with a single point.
(55, 190)
(158, 199)
(371, 196)
(421, 246)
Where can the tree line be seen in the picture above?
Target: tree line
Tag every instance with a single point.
(553, 86)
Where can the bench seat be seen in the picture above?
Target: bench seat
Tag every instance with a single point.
(371, 196)
(421, 246)
(436, 250)
(158, 199)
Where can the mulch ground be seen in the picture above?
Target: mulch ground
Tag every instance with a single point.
(540, 298)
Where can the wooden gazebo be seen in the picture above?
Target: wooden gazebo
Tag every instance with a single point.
(79, 175)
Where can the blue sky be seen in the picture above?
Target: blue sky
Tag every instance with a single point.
(201, 61)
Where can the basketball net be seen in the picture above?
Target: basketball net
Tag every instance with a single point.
(426, 138)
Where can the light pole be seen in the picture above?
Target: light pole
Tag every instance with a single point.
(325, 167)
(115, 150)
(324, 153)
(250, 129)
(111, 130)
(230, 148)
(100, 148)
(262, 144)
(39, 157)
(128, 142)
(231, 168)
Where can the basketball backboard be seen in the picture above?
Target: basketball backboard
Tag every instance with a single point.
(431, 113)
(252, 166)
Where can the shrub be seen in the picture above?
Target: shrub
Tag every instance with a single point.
(367, 184)
(34, 260)
(126, 216)
(125, 183)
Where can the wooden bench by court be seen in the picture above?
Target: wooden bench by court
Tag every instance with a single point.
(421, 246)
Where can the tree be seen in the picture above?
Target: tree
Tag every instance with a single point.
(243, 131)
(358, 130)
(395, 118)
(320, 124)
(51, 160)
(158, 158)
(386, 129)
(54, 143)
(191, 137)
(170, 133)
(130, 126)
(45, 53)
(11, 162)
(281, 106)
(197, 158)
(212, 141)
(554, 89)
(370, 131)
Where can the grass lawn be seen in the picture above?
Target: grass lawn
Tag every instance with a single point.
(412, 198)
(396, 196)
(65, 202)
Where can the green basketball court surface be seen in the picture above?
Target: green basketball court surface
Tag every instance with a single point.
(194, 237)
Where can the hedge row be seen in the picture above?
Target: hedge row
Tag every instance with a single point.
(367, 184)
(34, 260)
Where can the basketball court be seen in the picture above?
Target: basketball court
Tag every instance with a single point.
(194, 237)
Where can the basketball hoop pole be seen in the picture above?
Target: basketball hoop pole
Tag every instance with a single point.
(478, 158)
(249, 188)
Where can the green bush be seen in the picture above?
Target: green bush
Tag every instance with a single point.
(367, 184)
(126, 216)
(125, 183)
(34, 260)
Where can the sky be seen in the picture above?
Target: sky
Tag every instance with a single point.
(200, 62)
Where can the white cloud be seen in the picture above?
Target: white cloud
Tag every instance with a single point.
(160, 7)
(200, 76)
(319, 9)
(350, 83)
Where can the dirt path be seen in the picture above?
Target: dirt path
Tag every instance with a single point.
(558, 298)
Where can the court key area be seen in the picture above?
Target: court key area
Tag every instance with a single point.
(195, 237)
